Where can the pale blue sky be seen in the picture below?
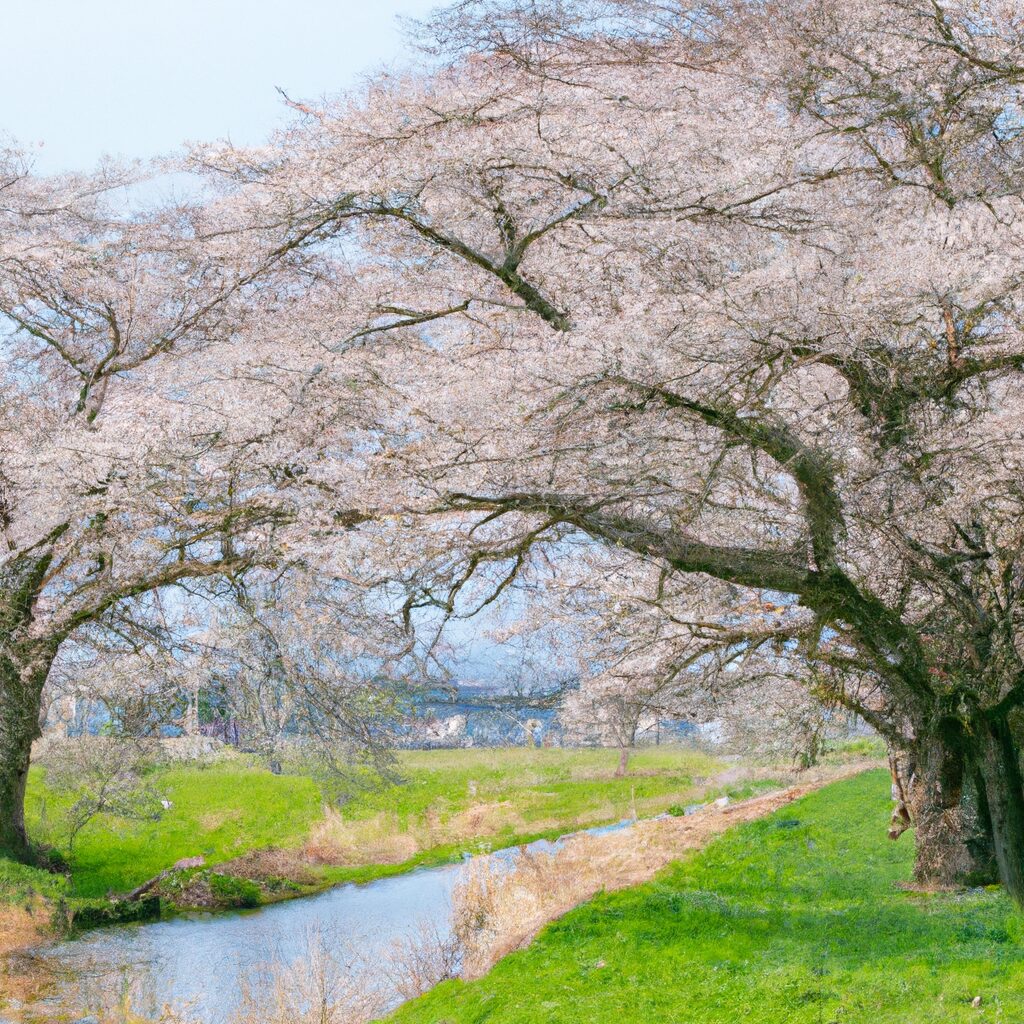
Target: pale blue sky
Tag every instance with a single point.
(135, 78)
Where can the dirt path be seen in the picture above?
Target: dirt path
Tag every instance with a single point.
(497, 912)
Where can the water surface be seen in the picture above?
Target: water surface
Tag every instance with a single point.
(196, 965)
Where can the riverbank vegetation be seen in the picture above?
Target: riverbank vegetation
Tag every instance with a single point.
(264, 836)
(802, 917)
(331, 976)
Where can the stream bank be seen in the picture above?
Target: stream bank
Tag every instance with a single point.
(200, 965)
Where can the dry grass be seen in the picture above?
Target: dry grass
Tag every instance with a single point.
(383, 840)
(481, 819)
(24, 926)
(329, 984)
(261, 865)
(376, 840)
(422, 959)
(24, 978)
(496, 910)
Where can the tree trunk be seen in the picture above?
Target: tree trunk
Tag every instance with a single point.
(24, 665)
(939, 796)
(20, 701)
(13, 778)
(623, 765)
(999, 761)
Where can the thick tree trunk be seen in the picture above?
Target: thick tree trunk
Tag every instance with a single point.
(20, 701)
(999, 761)
(962, 791)
(13, 778)
(24, 665)
(623, 764)
(938, 795)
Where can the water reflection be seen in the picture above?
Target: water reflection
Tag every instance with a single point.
(197, 966)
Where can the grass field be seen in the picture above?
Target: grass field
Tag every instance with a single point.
(456, 801)
(448, 801)
(219, 811)
(794, 919)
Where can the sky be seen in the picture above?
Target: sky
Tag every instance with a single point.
(80, 79)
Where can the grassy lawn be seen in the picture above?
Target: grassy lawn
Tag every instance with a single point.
(219, 811)
(541, 785)
(456, 801)
(448, 801)
(793, 919)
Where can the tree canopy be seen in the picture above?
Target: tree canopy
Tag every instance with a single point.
(733, 290)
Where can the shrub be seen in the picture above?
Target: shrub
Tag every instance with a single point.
(235, 892)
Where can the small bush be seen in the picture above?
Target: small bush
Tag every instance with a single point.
(95, 913)
(235, 892)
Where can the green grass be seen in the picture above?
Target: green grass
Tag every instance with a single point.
(227, 808)
(219, 811)
(541, 786)
(793, 919)
(19, 883)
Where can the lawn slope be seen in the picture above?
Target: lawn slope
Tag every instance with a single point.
(446, 801)
(796, 918)
(218, 811)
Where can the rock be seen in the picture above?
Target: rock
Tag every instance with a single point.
(976, 1002)
(188, 862)
(722, 801)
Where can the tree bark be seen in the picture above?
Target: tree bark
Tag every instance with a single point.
(999, 759)
(623, 764)
(13, 779)
(20, 704)
(936, 785)
(24, 665)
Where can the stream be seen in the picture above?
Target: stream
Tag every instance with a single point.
(196, 966)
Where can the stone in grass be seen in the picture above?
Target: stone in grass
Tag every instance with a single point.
(976, 1002)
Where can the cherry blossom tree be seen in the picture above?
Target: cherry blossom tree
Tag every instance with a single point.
(310, 662)
(148, 429)
(735, 289)
(651, 646)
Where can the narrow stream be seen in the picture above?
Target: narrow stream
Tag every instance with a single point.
(196, 966)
